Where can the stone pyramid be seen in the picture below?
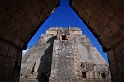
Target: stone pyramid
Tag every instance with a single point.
(64, 55)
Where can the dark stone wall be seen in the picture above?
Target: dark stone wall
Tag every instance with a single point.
(105, 19)
(20, 20)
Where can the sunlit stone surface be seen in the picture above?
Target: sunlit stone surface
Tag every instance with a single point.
(64, 55)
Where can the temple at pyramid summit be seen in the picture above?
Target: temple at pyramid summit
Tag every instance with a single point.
(64, 55)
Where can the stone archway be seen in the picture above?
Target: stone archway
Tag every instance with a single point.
(105, 19)
(20, 19)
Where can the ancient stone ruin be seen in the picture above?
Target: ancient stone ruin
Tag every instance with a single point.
(64, 55)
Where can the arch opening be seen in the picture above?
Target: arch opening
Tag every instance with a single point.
(69, 22)
(103, 18)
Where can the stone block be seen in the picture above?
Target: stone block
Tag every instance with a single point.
(92, 23)
(113, 27)
(23, 20)
(19, 14)
(11, 22)
(1, 60)
(113, 67)
(116, 49)
(120, 66)
(81, 12)
(104, 20)
(7, 35)
(13, 7)
(82, 5)
(103, 38)
(19, 59)
(3, 14)
(27, 7)
(117, 3)
(25, 35)
(12, 62)
(122, 6)
(97, 29)
(118, 56)
(38, 22)
(91, 3)
(4, 3)
(6, 62)
(16, 41)
(119, 16)
(109, 10)
(121, 31)
(10, 51)
(1, 31)
(38, 9)
(85, 17)
(115, 78)
(31, 14)
(19, 32)
(100, 27)
(1, 43)
(123, 65)
(2, 81)
(34, 19)
(88, 74)
(28, 25)
(118, 37)
(102, 3)
(46, 15)
(111, 42)
(4, 50)
(11, 74)
(43, 3)
(121, 46)
(24, 3)
(95, 16)
(76, 32)
(45, 10)
(14, 27)
(98, 8)
(5, 74)
(120, 75)
(51, 32)
(10, 81)
(36, 2)
(1, 72)
(122, 52)
(88, 11)
(108, 33)
(15, 53)
(23, 45)
(6, 20)
(41, 17)
(111, 56)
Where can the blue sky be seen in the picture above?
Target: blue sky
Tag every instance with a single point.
(64, 16)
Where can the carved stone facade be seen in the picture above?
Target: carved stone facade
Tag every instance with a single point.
(64, 55)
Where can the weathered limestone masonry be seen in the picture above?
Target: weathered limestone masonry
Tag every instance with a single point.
(64, 55)
(37, 61)
(19, 21)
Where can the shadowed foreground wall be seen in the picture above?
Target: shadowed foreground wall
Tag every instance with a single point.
(105, 18)
(20, 19)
